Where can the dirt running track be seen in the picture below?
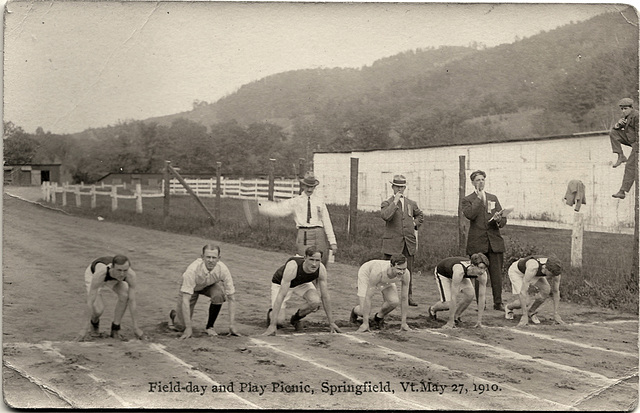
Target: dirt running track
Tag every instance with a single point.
(589, 364)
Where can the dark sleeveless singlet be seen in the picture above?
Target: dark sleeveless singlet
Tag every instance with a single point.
(445, 267)
(301, 276)
(522, 264)
(105, 261)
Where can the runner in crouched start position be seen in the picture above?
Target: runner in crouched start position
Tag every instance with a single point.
(296, 277)
(534, 270)
(207, 276)
(114, 273)
(453, 275)
(383, 276)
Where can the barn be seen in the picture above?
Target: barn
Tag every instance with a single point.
(32, 174)
(530, 174)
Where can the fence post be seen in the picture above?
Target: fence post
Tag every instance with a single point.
(576, 240)
(462, 222)
(93, 196)
(272, 171)
(124, 185)
(65, 186)
(139, 198)
(301, 172)
(43, 188)
(77, 192)
(167, 192)
(636, 233)
(353, 200)
(53, 192)
(218, 190)
(114, 197)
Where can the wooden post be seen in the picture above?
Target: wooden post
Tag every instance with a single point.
(93, 196)
(43, 187)
(218, 190)
(114, 197)
(167, 193)
(65, 186)
(272, 172)
(353, 200)
(576, 240)
(139, 198)
(77, 192)
(636, 238)
(124, 185)
(462, 222)
(301, 171)
(53, 192)
(193, 194)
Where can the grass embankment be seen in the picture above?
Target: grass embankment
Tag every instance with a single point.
(605, 279)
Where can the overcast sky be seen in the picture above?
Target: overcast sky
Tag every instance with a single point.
(74, 65)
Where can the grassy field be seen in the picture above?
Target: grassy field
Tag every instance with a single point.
(605, 279)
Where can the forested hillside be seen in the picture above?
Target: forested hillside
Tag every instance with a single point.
(558, 82)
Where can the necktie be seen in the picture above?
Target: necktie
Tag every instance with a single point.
(308, 210)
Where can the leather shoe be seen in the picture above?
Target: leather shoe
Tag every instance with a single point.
(620, 194)
(621, 159)
(498, 306)
(412, 303)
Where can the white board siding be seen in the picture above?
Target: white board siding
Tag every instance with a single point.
(530, 175)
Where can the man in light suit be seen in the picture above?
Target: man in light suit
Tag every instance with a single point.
(485, 213)
(403, 218)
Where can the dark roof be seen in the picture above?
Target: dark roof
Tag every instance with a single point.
(34, 164)
(532, 139)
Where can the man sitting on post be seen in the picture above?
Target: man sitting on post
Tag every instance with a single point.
(208, 276)
(453, 275)
(296, 277)
(534, 270)
(383, 276)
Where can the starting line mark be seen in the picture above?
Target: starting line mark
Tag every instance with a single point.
(409, 403)
(430, 364)
(573, 343)
(48, 346)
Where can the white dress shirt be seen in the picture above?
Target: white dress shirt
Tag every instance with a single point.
(297, 207)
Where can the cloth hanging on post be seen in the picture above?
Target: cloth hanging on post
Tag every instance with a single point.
(575, 194)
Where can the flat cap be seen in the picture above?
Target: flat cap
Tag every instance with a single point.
(626, 102)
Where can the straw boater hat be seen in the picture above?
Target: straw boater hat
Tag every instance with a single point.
(309, 180)
(399, 180)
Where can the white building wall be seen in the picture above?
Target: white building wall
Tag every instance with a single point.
(530, 175)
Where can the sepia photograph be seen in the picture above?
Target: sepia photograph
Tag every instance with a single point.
(320, 206)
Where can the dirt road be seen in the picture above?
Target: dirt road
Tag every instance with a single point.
(589, 364)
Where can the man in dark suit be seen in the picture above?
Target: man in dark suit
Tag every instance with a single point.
(403, 218)
(485, 213)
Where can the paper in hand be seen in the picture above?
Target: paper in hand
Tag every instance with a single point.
(505, 211)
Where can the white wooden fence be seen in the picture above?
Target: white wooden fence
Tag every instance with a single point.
(230, 188)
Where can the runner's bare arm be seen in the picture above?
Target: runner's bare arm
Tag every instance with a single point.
(404, 301)
(482, 296)
(326, 299)
(94, 288)
(366, 307)
(186, 316)
(458, 274)
(132, 280)
(529, 274)
(232, 314)
(555, 295)
(288, 276)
